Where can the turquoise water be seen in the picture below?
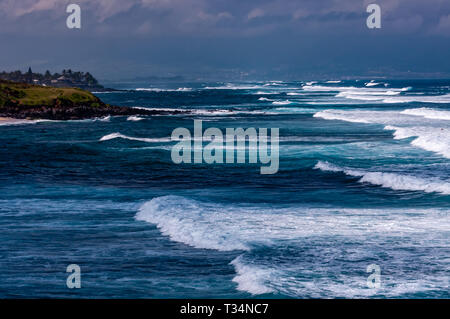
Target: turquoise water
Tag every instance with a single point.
(364, 178)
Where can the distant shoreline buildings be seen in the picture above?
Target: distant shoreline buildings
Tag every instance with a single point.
(67, 78)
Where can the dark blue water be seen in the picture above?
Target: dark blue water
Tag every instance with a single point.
(364, 178)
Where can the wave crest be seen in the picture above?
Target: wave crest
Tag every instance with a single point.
(113, 136)
(227, 227)
(390, 180)
(428, 113)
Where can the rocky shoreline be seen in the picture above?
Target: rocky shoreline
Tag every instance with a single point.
(77, 112)
(34, 102)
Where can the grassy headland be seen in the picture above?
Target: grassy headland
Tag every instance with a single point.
(22, 101)
(28, 95)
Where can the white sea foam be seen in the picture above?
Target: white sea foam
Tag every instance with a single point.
(366, 94)
(8, 121)
(285, 102)
(342, 115)
(324, 88)
(104, 119)
(433, 139)
(390, 180)
(231, 86)
(207, 111)
(213, 112)
(24, 122)
(394, 98)
(266, 88)
(360, 91)
(398, 118)
(264, 93)
(226, 112)
(372, 83)
(183, 89)
(333, 82)
(308, 280)
(134, 118)
(226, 228)
(161, 109)
(188, 222)
(429, 127)
(443, 99)
(274, 83)
(243, 227)
(428, 113)
(251, 278)
(262, 279)
(294, 110)
(107, 92)
(140, 139)
(381, 95)
(150, 89)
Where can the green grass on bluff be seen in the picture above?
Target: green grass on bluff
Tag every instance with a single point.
(21, 94)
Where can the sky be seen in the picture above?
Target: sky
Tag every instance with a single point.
(228, 39)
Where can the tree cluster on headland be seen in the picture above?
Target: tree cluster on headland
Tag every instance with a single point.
(67, 78)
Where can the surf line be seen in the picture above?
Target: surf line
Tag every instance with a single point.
(233, 142)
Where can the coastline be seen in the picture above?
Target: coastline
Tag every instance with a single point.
(12, 121)
(22, 103)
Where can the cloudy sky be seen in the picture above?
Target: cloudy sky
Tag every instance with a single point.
(246, 39)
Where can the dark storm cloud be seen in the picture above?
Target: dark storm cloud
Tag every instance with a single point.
(232, 17)
(286, 37)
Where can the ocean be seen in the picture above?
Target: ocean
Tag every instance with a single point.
(363, 179)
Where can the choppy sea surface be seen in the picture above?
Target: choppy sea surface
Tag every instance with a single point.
(364, 179)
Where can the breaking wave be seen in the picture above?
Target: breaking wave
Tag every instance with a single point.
(372, 83)
(382, 95)
(7, 122)
(390, 180)
(428, 113)
(183, 89)
(251, 278)
(285, 102)
(232, 227)
(134, 118)
(433, 139)
(140, 139)
(427, 126)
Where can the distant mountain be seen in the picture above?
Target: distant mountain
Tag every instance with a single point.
(67, 78)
